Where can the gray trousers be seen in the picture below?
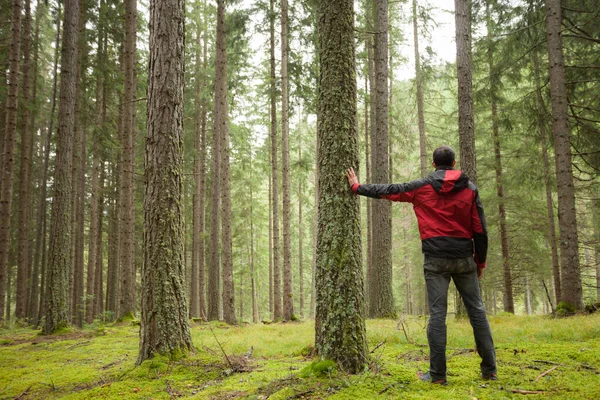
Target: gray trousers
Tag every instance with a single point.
(463, 271)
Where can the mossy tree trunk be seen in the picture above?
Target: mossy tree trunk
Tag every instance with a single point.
(164, 324)
(59, 259)
(419, 84)
(571, 289)
(339, 327)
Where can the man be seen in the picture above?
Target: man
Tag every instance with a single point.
(454, 241)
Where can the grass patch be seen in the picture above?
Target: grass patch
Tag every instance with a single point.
(557, 357)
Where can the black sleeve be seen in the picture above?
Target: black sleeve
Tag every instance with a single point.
(382, 190)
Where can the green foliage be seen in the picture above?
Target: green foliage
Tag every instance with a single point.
(318, 369)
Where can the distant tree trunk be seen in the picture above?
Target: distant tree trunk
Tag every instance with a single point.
(528, 307)
(214, 300)
(277, 306)
(300, 234)
(10, 131)
(97, 241)
(288, 300)
(508, 302)
(228, 295)
(126, 236)
(78, 176)
(23, 258)
(339, 328)
(164, 324)
(466, 119)
(571, 290)
(596, 211)
(57, 294)
(371, 12)
(419, 83)
(381, 300)
(201, 206)
(368, 164)
(198, 211)
(270, 243)
(313, 284)
(32, 301)
(112, 274)
(542, 120)
(94, 220)
(252, 271)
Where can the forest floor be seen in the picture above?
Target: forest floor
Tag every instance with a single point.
(538, 357)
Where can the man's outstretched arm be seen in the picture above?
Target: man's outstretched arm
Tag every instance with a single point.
(393, 192)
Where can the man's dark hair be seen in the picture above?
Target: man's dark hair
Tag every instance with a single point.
(443, 156)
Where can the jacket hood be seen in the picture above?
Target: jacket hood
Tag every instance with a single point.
(446, 180)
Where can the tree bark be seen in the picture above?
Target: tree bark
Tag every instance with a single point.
(288, 300)
(127, 223)
(466, 119)
(97, 242)
(112, 274)
(252, 271)
(32, 301)
(277, 306)
(339, 328)
(300, 234)
(23, 259)
(381, 301)
(10, 131)
(57, 295)
(571, 290)
(78, 175)
(164, 325)
(542, 120)
(508, 302)
(419, 84)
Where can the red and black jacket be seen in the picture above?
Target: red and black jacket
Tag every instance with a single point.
(448, 209)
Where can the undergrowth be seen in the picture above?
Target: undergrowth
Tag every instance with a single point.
(538, 357)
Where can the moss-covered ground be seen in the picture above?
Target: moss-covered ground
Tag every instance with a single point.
(557, 358)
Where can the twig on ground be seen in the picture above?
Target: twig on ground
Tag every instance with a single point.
(540, 376)
(521, 391)
(378, 346)
(24, 393)
(221, 347)
(388, 387)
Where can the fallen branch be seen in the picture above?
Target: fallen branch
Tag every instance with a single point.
(378, 346)
(521, 391)
(540, 376)
(546, 362)
(221, 347)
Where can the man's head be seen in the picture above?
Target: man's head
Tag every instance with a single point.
(443, 156)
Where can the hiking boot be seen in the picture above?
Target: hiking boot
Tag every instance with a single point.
(426, 377)
(489, 377)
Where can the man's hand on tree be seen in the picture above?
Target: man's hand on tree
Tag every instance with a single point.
(352, 179)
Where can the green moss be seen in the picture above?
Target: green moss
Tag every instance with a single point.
(564, 309)
(127, 317)
(81, 365)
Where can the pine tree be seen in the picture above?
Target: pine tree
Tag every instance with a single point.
(164, 325)
(339, 327)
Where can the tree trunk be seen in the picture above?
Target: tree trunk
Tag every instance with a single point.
(10, 131)
(78, 176)
(112, 275)
(381, 301)
(315, 230)
(97, 242)
(542, 120)
(228, 295)
(57, 295)
(277, 306)
(419, 84)
(508, 302)
(288, 300)
(127, 235)
(23, 259)
(270, 242)
(164, 325)
(466, 119)
(252, 271)
(197, 257)
(571, 290)
(339, 328)
(300, 234)
(202, 188)
(214, 300)
(368, 109)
